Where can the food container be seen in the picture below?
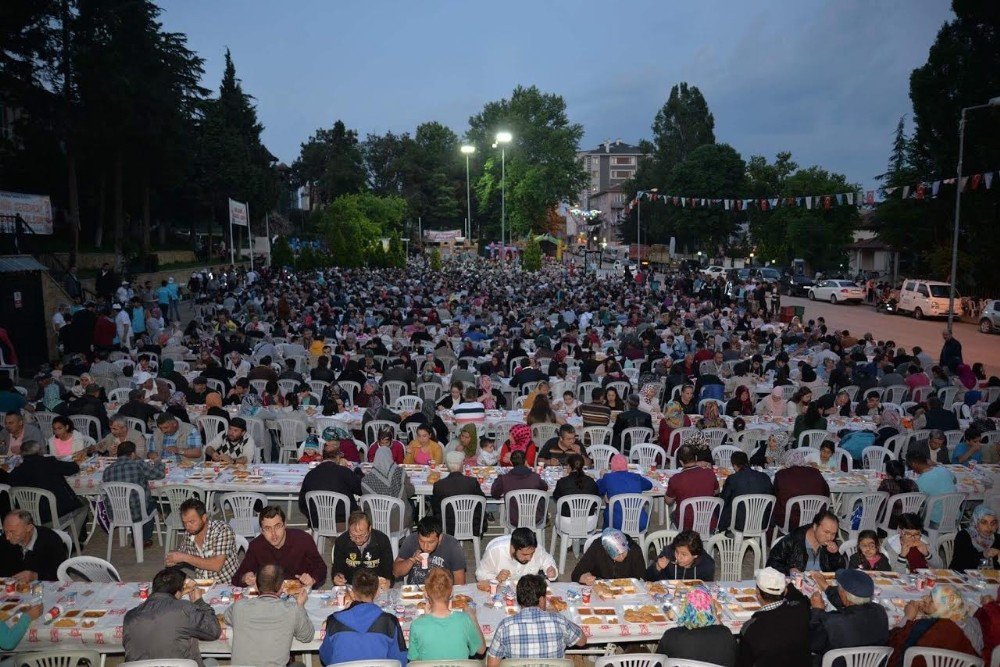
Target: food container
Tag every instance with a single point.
(52, 614)
(585, 593)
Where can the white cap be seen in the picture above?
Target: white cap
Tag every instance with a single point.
(771, 581)
(141, 377)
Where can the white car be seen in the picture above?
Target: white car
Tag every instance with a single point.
(713, 271)
(836, 291)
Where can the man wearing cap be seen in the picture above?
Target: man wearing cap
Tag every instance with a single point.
(151, 389)
(234, 445)
(173, 436)
(777, 634)
(456, 484)
(858, 621)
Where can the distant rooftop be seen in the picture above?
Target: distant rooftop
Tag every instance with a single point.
(617, 146)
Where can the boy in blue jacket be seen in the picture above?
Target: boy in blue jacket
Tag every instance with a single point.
(363, 631)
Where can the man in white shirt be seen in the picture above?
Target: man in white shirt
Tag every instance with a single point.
(510, 557)
(123, 323)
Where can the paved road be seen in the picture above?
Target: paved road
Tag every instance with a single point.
(905, 330)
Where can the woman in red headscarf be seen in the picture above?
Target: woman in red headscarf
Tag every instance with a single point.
(519, 440)
(740, 404)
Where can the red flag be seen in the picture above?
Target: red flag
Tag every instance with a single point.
(974, 181)
(919, 194)
(827, 203)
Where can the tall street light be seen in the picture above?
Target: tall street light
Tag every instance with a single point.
(994, 102)
(638, 221)
(503, 138)
(468, 150)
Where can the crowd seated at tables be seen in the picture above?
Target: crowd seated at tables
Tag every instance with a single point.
(684, 367)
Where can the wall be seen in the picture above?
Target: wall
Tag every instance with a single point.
(94, 260)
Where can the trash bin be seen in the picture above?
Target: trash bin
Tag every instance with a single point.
(800, 312)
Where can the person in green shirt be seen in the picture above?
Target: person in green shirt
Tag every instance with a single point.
(440, 633)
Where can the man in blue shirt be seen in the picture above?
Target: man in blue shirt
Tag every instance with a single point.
(533, 632)
(163, 300)
(363, 631)
(934, 480)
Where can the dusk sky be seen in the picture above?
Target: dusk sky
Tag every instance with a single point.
(826, 79)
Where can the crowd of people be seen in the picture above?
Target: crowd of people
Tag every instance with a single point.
(469, 339)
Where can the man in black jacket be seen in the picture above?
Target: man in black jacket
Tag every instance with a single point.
(137, 407)
(743, 482)
(938, 418)
(809, 548)
(90, 404)
(29, 552)
(858, 622)
(330, 475)
(456, 484)
(951, 351)
(631, 417)
(49, 473)
(778, 634)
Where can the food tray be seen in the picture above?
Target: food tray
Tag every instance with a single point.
(644, 613)
(943, 576)
(597, 615)
(608, 589)
(411, 594)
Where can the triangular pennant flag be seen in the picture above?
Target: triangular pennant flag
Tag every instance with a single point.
(935, 186)
(683, 202)
(773, 202)
(906, 191)
(962, 183)
(870, 197)
(850, 198)
(988, 179)
(921, 189)
(809, 203)
(974, 181)
(891, 190)
(949, 181)
(840, 199)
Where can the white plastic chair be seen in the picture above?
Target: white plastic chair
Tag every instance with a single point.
(601, 456)
(756, 510)
(136, 424)
(532, 510)
(318, 386)
(374, 426)
(260, 386)
(292, 432)
(92, 569)
(241, 505)
(63, 535)
(939, 657)
(950, 505)
(118, 395)
(897, 443)
(874, 458)
(859, 656)
(119, 495)
(174, 662)
(352, 389)
(715, 436)
(381, 510)
(680, 662)
(872, 507)
(678, 435)
(29, 498)
(634, 436)
(597, 435)
(393, 389)
(175, 494)
(288, 386)
(812, 438)
(87, 424)
(723, 456)
(657, 539)
(910, 503)
(706, 510)
(463, 509)
(727, 556)
(408, 404)
(62, 659)
(211, 426)
(242, 543)
(543, 432)
(647, 455)
(325, 504)
(584, 515)
(444, 663)
(631, 507)
(632, 659)
(807, 505)
(840, 459)
(526, 662)
(948, 395)
(430, 391)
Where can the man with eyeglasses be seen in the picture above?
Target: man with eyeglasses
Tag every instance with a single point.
(293, 549)
(361, 548)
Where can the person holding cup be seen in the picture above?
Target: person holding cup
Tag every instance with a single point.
(429, 547)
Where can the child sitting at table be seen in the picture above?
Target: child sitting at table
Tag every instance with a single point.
(869, 555)
(488, 454)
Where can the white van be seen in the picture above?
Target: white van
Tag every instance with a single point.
(926, 298)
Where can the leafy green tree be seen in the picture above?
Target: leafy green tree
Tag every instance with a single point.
(683, 124)
(531, 257)
(281, 253)
(541, 164)
(353, 226)
(436, 260)
(331, 164)
(384, 160)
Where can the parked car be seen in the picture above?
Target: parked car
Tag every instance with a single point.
(926, 298)
(796, 285)
(713, 271)
(767, 273)
(989, 319)
(836, 291)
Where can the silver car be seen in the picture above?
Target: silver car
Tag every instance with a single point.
(989, 320)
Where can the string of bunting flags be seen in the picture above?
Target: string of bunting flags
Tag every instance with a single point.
(923, 190)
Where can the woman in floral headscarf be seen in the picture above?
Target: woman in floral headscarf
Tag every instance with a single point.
(978, 542)
(486, 396)
(614, 556)
(519, 440)
(648, 401)
(939, 620)
(712, 418)
(343, 438)
(698, 635)
(177, 406)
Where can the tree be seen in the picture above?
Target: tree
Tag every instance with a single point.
(531, 257)
(331, 164)
(281, 253)
(541, 164)
(683, 124)
(436, 260)
(353, 226)
(434, 177)
(384, 160)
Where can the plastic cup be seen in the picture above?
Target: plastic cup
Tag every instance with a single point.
(494, 584)
(424, 560)
(143, 591)
(586, 594)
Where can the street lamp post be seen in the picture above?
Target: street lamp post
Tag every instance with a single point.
(503, 138)
(994, 102)
(468, 150)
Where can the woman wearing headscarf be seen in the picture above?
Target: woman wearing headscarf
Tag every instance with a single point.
(344, 440)
(466, 442)
(177, 406)
(774, 404)
(487, 395)
(370, 397)
(648, 401)
(978, 543)
(712, 418)
(213, 405)
(939, 620)
(388, 479)
(675, 415)
(619, 480)
(966, 376)
(519, 440)
(387, 440)
(740, 404)
(889, 425)
(614, 556)
(167, 372)
(698, 635)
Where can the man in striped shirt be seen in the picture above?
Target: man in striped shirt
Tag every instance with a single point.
(470, 410)
(597, 412)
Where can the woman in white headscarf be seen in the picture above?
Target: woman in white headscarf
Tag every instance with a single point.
(388, 479)
(773, 404)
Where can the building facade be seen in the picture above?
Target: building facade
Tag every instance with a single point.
(608, 167)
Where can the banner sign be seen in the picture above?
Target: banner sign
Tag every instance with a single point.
(442, 236)
(35, 210)
(237, 213)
